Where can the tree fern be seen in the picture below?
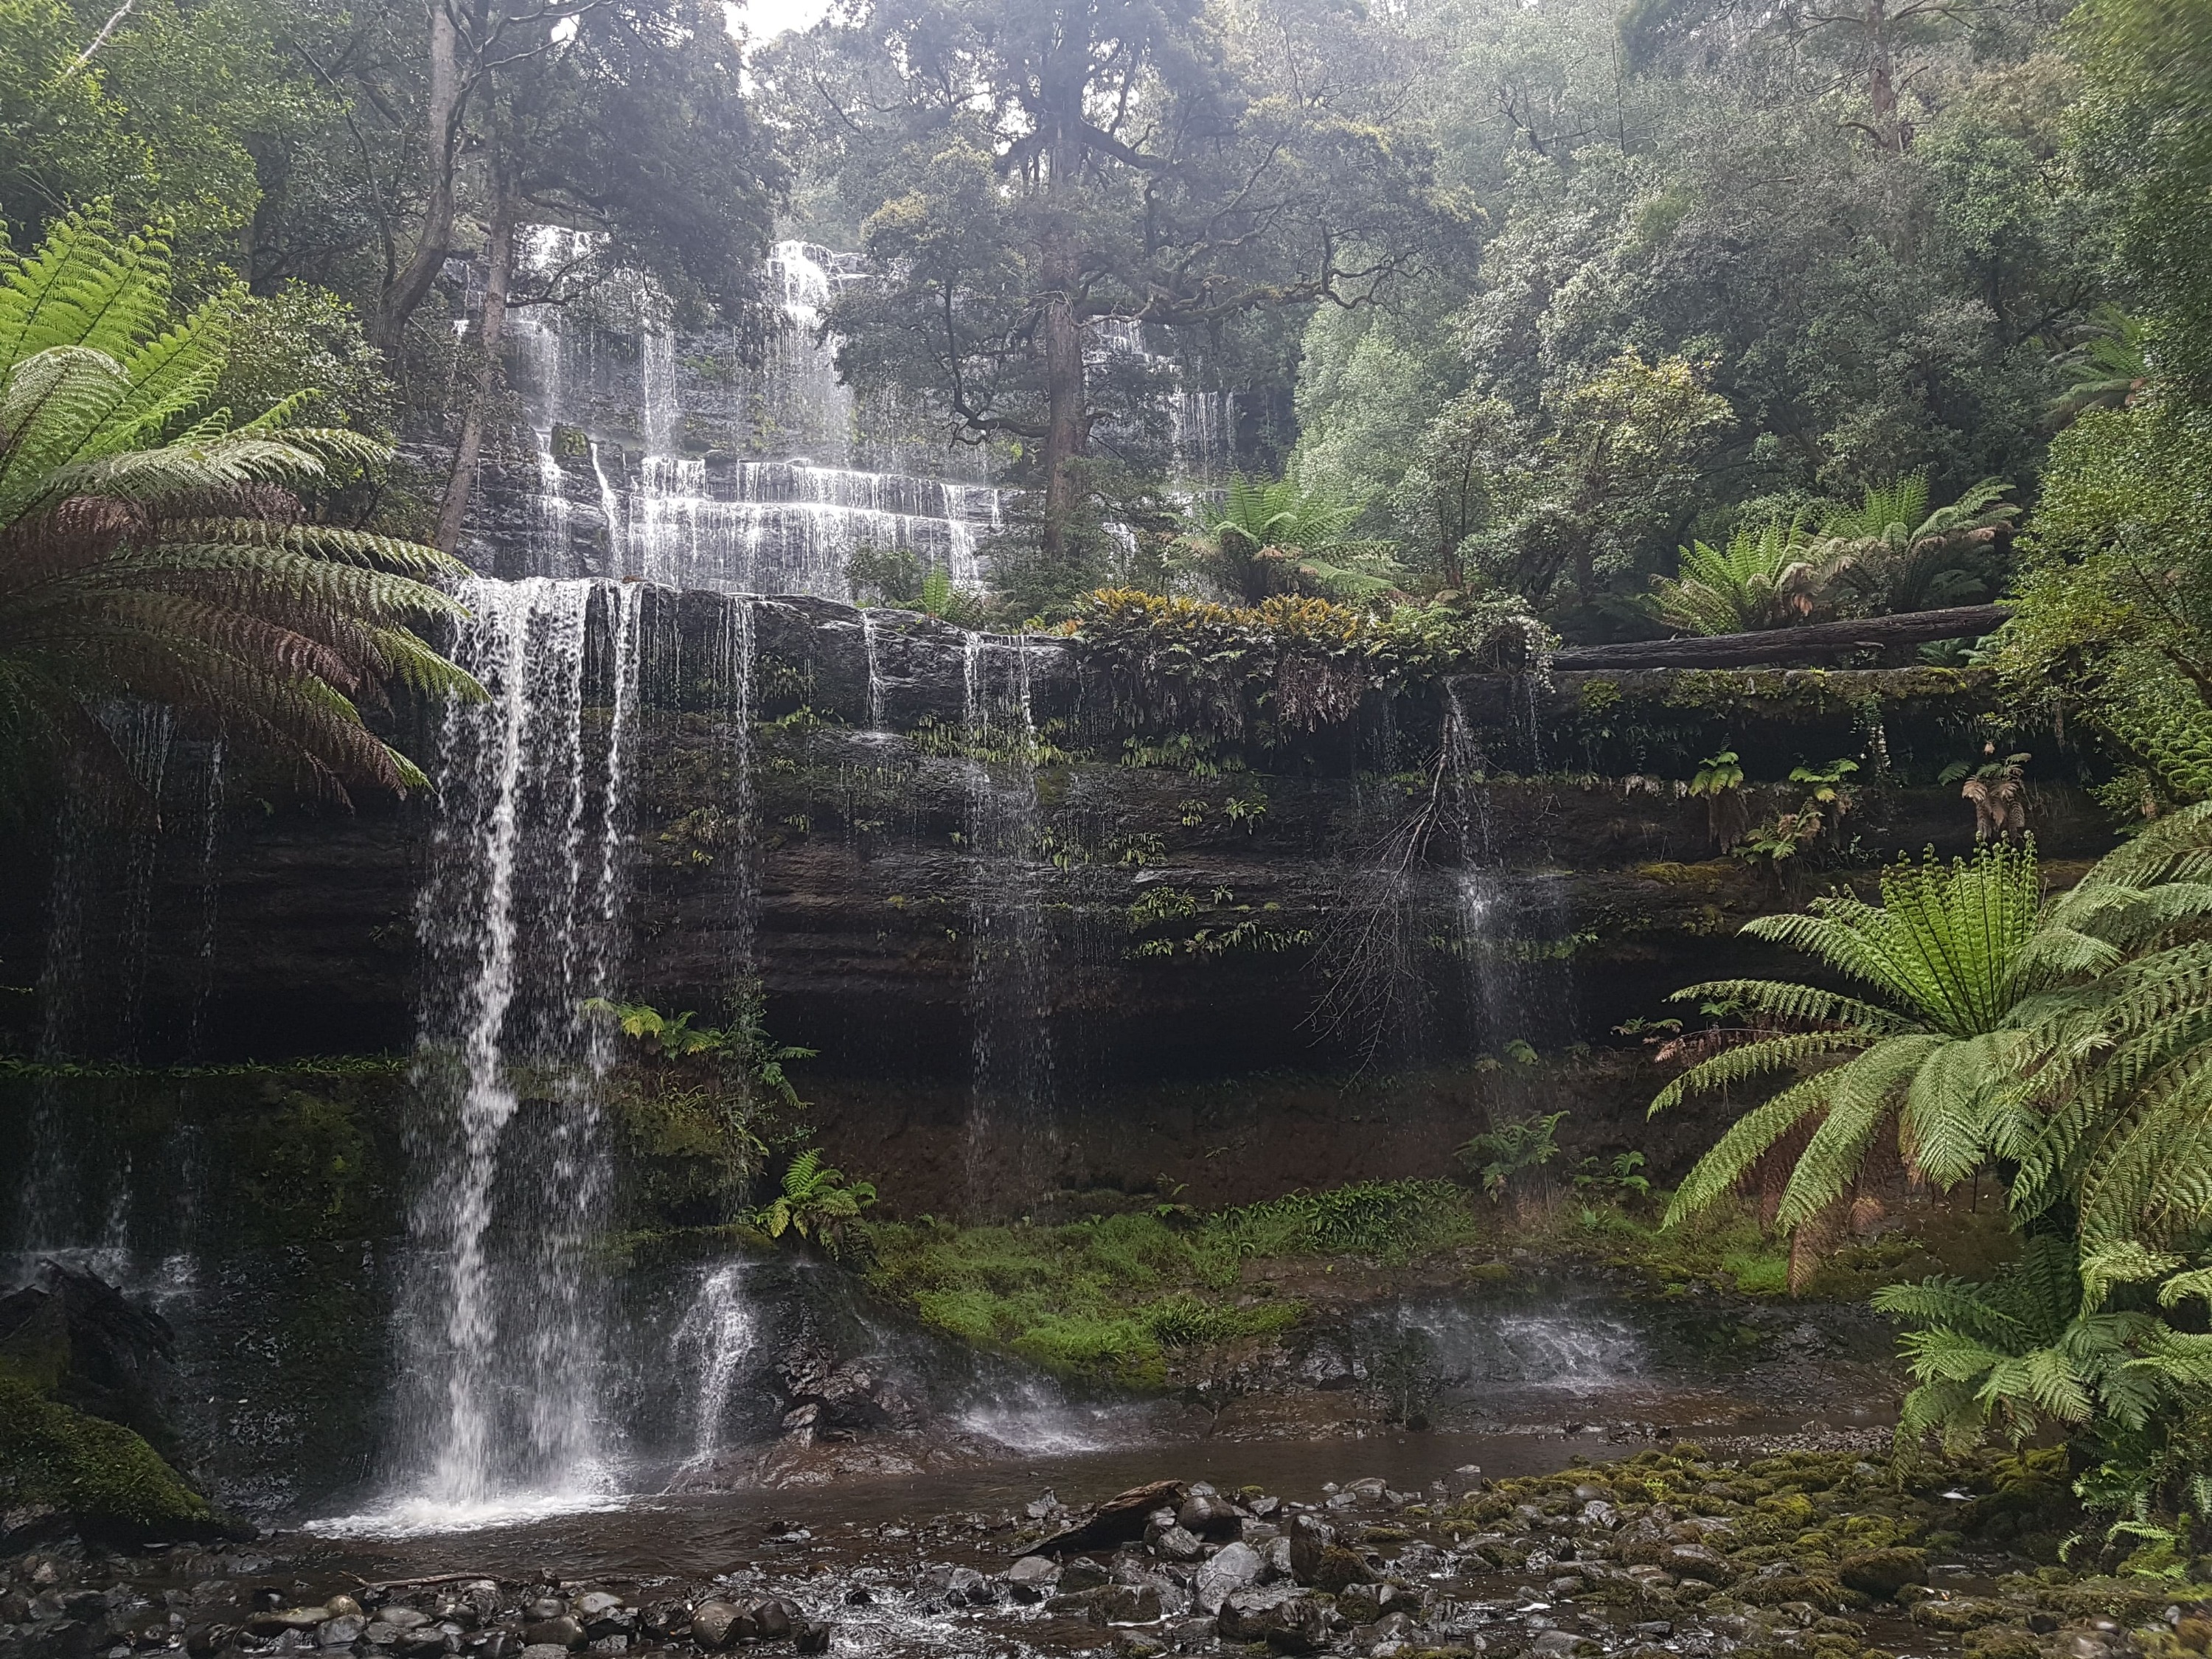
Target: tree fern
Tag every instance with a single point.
(2067, 1035)
(150, 547)
(1769, 576)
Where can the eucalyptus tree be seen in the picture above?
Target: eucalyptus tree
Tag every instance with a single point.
(1025, 173)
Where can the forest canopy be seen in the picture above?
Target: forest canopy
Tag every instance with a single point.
(1688, 316)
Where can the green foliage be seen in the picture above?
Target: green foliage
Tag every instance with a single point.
(2114, 608)
(1505, 1149)
(2060, 1038)
(1828, 800)
(742, 1046)
(2142, 140)
(1278, 537)
(700, 1103)
(897, 577)
(1766, 577)
(1226, 925)
(1895, 553)
(1289, 664)
(1391, 1221)
(818, 1202)
(1118, 1298)
(149, 549)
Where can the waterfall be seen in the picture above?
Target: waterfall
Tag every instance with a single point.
(870, 649)
(712, 1340)
(1509, 928)
(521, 920)
(758, 471)
(1010, 1128)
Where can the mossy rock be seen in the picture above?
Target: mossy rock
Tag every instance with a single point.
(60, 1467)
(2002, 1642)
(1956, 1615)
(1339, 1569)
(1881, 1573)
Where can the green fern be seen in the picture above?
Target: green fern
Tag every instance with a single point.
(817, 1202)
(1764, 577)
(152, 548)
(2067, 1035)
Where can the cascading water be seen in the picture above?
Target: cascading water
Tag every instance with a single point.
(1509, 928)
(822, 476)
(521, 922)
(1010, 1128)
(712, 1341)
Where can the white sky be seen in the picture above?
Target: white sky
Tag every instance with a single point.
(763, 20)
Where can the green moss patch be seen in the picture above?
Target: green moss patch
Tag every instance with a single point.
(99, 1475)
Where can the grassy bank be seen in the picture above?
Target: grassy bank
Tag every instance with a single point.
(1120, 1297)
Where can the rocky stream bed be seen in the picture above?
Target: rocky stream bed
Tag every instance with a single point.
(1836, 1550)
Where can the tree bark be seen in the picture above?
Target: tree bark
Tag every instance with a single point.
(406, 289)
(1789, 644)
(1064, 390)
(499, 269)
(1063, 84)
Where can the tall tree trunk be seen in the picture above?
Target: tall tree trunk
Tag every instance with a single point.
(1881, 77)
(1063, 329)
(407, 288)
(1064, 390)
(499, 267)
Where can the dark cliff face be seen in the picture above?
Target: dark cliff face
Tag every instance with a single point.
(1159, 963)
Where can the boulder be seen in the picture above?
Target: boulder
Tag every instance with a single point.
(1233, 1567)
(1282, 1615)
(711, 1623)
(1882, 1573)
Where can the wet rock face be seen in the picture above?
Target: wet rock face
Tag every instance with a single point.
(74, 1335)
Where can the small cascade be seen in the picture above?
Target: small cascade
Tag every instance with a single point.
(1509, 928)
(793, 527)
(120, 883)
(715, 1337)
(871, 649)
(521, 919)
(1011, 1127)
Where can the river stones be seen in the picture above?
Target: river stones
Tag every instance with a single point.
(1233, 1567)
(1031, 1579)
(1282, 1615)
(1700, 1561)
(1338, 1570)
(1081, 1573)
(1958, 1613)
(563, 1632)
(711, 1623)
(1209, 1516)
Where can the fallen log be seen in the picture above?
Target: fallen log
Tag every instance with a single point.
(1782, 645)
(1117, 1521)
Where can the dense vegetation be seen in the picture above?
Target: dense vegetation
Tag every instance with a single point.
(1551, 320)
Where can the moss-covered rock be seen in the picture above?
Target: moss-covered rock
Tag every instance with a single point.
(1881, 1573)
(59, 1467)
